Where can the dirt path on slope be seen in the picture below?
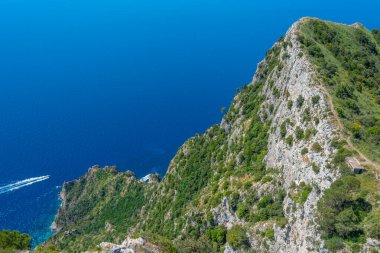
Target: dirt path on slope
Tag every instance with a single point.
(363, 159)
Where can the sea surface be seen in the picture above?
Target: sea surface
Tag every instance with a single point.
(123, 82)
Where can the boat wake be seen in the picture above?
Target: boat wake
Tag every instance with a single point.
(21, 184)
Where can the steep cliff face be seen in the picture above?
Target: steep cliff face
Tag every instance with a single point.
(296, 84)
(261, 179)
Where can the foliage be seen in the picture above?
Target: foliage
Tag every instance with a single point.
(191, 245)
(299, 133)
(315, 168)
(334, 244)
(165, 245)
(269, 207)
(236, 237)
(372, 225)
(113, 198)
(269, 233)
(283, 129)
(316, 147)
(303, 193)
(289, 140)
(14, 240)
(348, 60)
(242, 211)
(217, 234)
(289, 104)
(315, 100)
(300, 101)
(46, 248)
(342, 211)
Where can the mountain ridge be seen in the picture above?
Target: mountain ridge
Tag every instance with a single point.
(262, 178)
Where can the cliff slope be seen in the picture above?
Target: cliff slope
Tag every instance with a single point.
(274, 176)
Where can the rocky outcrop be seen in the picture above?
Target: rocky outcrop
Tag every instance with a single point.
(297, 81)
(128, 246)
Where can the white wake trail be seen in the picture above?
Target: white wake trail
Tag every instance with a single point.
(22, 183)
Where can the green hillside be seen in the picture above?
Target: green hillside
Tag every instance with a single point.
(219, 192)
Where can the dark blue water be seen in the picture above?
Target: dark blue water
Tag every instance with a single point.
(123, 83)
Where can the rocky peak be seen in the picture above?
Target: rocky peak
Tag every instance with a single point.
(258, 180)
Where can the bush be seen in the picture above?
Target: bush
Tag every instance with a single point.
(191, 245)
(334, 244)
(307, 134)
(304, 151)
(306, 117)
(356, 130)
(46, 248)
(372, 225)
(217, 234)
(315, 99)
(303, 193)
(299, 133)
(276, 92)
(316, 147)
(347, 223)
(271, 108)
(341, 210)
(270, 234)
(290, 104)
(289, 140)
(14, 240)
(281, 222)
(242, 211)
(269, 207)
(236, 237)
(344, 91)
(283, 129)
(300, 101)
(266, 179)
(315, 168)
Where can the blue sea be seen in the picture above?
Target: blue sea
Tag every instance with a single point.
(123, 82)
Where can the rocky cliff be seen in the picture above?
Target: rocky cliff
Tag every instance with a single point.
(272, 177)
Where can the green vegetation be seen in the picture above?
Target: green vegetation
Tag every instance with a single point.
(165, 245)
(348, 60)
(13, 240)
(269, 233)
(276, 92)
(346, 214)
(316, 147)
(289, 104)
(299, 133)
(191, 245)
(194, 167)
(306, 116)
(271, 108)
(315, 100)
(46, 248)
(303, 193)
(236, 237)
(289, 140)
(269, 207)
(283, 130)
(300, 101)
(113, 198)
(217, 235)
(315, 168)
